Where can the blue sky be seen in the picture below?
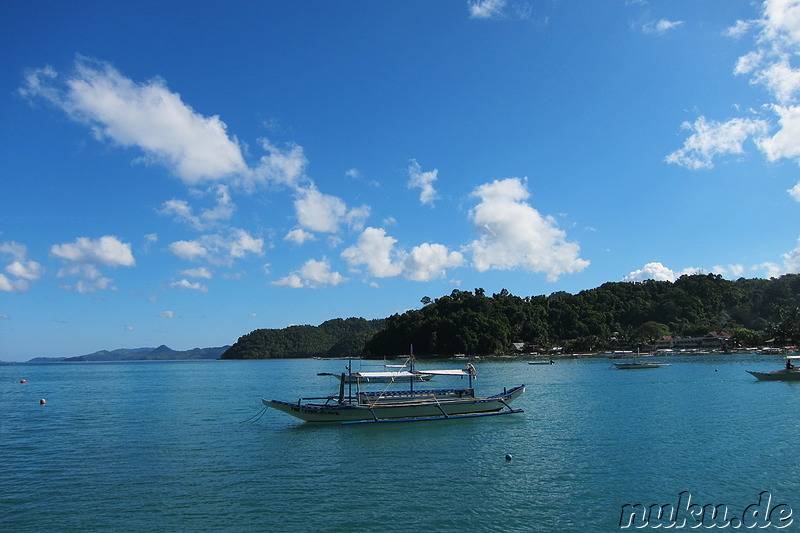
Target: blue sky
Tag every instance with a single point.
(183, 173)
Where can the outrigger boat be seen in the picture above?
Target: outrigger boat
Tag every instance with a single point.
(789, 373)
(357, 406)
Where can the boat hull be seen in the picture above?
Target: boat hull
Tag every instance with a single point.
(401, 410)
(778, 375)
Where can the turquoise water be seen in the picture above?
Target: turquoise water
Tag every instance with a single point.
(161, 447)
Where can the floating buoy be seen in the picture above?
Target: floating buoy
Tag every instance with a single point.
(509, 457)
(42, 401)
(23, 381)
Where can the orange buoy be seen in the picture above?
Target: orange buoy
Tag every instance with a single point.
(23, 381)
(42, 401)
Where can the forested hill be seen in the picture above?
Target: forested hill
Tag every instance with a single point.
(620, 315)
(334, 338)
(614, 315)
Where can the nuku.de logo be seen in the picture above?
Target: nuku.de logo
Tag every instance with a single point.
(693, 515)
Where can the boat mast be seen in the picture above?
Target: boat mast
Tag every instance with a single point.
(411, 379)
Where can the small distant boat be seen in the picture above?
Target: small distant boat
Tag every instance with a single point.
(789, 373)
(548, 362)
(639, 365)
(354, 405)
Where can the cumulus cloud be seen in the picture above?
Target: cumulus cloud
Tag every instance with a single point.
(777, 43)
(728, 271)
(107, 250)
(183, 212)
(711, 139)
(515, 235)
(188, 249)
(219, 249)
(299, 236)
(12, 285)
(655, 271)
(374, 250)
(794, 192)
(20, 267)
(430, 261)
(283, 166)
(30, 270)
(377, 253)
(146, 115)
(786, 142)
(321, 212)
(423, 181)
(186, 284)
(313, 274)
(201, 272)
(167, 314)
(85, 256)
(486, 9)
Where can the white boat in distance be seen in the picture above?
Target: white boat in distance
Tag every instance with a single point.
(788, 373)
(402, 405)
(638, 365)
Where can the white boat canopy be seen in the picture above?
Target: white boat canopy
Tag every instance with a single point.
(384, 375)
(446, 372)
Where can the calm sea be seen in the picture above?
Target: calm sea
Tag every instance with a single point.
(161, 446)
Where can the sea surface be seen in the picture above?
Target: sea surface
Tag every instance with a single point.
(167, 446)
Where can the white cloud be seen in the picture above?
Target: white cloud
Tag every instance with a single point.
(739, 29)
(188, 249)
(299, 236)
(770, 65)
(20, 267)
(321, 212)
(30, 270)
(730, 270)
(107, 250)
(186, 284)
(16, 250)
(144, 115)
(182, 211)
(429, 261)
(658, 272)
(794, 192)
(662, 26)
(423, 181)
(9, 285)
(168, 314)
(711, 139)
(201, 272)
(786, 142)
(791, 261)
(513, 234)
(85, 255)
(486, 9)
(374, 249)
(284, 167)
(219, 249)
(313, 274)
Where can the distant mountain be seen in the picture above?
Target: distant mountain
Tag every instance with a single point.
(162, 353)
